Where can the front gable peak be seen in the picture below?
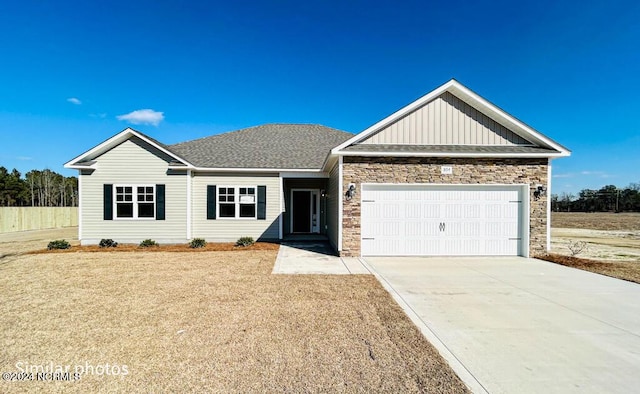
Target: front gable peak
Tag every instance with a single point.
(87, 159)
(451, 116)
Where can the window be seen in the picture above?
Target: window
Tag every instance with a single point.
(247, 202)
(237, 202)
(227, 203)
(135, 202)
(146, 208)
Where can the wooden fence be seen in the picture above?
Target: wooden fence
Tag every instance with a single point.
(36, 218)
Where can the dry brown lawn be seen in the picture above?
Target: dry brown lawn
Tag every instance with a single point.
(208, 322)
(627, 221)
(612, 240)
(622, 270)
(25, 241)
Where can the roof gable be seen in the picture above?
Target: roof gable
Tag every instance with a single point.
(87, 159)
(451, 115)
(445, 120)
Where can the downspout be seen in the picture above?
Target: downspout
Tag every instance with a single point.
(549, 206)
(80, 206)
(189, 213)
(281, 216)
(340, 203)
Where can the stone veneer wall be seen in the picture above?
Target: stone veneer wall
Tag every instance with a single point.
(360, 170)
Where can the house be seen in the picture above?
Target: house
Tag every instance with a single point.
(449, 174)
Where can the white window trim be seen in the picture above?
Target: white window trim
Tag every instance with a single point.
(134, 189)
(236, 194)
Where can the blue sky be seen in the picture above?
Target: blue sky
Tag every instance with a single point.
(73, 73)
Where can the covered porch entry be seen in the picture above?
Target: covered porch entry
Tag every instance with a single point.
(305, 208)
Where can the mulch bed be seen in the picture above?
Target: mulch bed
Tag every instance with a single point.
(209, 247)
(621, 270)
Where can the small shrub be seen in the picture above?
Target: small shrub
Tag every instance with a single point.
(108, 243)
(148, 243)
(58, 244)
(197, 243)
(245, 241)
(577, 247)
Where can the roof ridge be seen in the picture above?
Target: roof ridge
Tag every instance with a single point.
(255, 127)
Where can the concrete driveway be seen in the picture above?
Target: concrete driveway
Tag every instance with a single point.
(516, 325)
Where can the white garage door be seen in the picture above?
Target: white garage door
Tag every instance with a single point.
(423, 220)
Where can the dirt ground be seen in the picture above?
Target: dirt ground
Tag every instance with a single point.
(205, 322)
(609, 236)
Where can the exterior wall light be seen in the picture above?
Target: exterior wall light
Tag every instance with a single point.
(351, 191)
(539, 191)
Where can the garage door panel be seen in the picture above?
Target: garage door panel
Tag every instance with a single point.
(431, 211)
(430, 229)
(413, 229)
(393, 229)
(392, 210)
(462, 247)
(470, 229)
(422, 220)
(413, 210)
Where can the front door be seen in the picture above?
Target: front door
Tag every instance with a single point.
(304, 211)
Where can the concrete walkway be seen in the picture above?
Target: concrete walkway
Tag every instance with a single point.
(516, 325)
(314, 258)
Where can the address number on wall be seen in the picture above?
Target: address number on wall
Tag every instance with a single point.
(446, 170)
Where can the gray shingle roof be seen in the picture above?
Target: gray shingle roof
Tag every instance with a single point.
(281, 146)
(458, 149)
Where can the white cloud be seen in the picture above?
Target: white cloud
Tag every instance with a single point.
(74, 100)
(563, 175)
(24, 158)
(143, 116)
(598, 174)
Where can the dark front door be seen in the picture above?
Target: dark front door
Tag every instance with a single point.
(301, 211)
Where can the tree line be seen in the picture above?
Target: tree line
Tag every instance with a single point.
(609, 198)
(44, 188)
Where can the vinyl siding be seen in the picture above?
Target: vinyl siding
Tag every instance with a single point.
(333, 206)
(133, 162)
(228, 230)
(446, 120)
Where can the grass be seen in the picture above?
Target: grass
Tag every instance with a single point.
(208, 322)
(601, 221)
(621, 270)
(626, 221)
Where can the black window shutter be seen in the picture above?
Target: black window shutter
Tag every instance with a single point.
(160, 202)
(211, 202)
(107, 207)
(262, 202)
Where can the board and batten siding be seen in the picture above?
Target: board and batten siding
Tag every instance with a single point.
(446, 120)
(133, 162)
(333, 206)
(229, 230)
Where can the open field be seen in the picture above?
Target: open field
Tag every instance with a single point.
(609, 236)
(207, 322)
(627, 221)
(612, 240)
